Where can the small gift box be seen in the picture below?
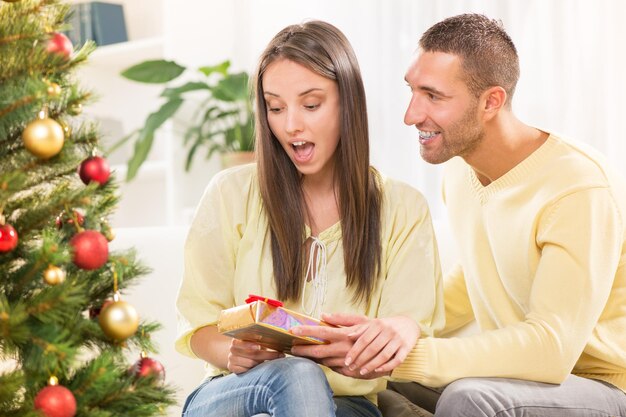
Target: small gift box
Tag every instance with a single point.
(266, 322)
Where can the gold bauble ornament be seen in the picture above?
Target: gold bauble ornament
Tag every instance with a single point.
(109, 234)
(119, 320)
(54, 89)
(53, 275)
(43, 138)
(107, 231)
(67, 129)
(75, 109)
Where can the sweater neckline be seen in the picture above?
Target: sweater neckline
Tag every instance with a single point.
(330, 234)
(519, 172)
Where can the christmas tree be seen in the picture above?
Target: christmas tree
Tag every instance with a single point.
(69, 344)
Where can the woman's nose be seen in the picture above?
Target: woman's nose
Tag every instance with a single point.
(293, 122)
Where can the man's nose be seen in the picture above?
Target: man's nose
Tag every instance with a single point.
(414, 114)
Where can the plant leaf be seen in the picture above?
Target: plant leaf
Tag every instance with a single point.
(154, 72)
(215, 148)
(146, 135)
(230, 136)
(221, 68)
(190, 86)
(208, 114)
(234, 87)
(192, 152)
(226, 113)
(247, 135)
(190, 133)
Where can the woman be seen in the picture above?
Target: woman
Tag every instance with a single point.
(311, 224)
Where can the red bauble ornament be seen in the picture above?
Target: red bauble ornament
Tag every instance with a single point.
(94, 169)
(94, 312)
(8, 238)
(61, 45)
(56, 401)
(64, 218)
(91, 249)
(146, 367)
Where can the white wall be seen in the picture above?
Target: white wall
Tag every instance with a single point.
(571, 56)
(572, 82)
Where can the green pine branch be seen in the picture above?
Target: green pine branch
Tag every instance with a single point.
(44, 329)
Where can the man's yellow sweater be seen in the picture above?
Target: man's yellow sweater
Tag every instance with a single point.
(542, 270)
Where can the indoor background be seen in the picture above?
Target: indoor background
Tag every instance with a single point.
(573, 61)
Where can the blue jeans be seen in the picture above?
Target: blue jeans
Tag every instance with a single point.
(289, 387)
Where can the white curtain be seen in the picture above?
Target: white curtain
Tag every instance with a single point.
(572, 54)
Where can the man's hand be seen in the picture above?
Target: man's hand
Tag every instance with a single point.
(344, 370)
(381, 344)
(246, 355)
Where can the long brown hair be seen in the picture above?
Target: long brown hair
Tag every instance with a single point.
(323, 49)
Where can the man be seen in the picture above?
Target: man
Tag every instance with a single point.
(540, 228)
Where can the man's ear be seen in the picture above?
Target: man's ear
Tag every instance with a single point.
(493, 99)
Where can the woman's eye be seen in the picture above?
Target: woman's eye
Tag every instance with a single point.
(311, 106)
(274, 109)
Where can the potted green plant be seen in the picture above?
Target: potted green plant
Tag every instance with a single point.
(222, 123)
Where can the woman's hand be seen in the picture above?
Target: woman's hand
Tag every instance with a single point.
(333, 353)
(243, 356)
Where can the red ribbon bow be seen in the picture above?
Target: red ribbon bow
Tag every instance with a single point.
(252, 298)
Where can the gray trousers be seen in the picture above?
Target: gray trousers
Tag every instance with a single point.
(501, 397)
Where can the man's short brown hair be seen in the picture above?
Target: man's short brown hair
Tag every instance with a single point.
(488, 55)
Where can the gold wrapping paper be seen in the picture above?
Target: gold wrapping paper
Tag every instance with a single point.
(266, 325)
